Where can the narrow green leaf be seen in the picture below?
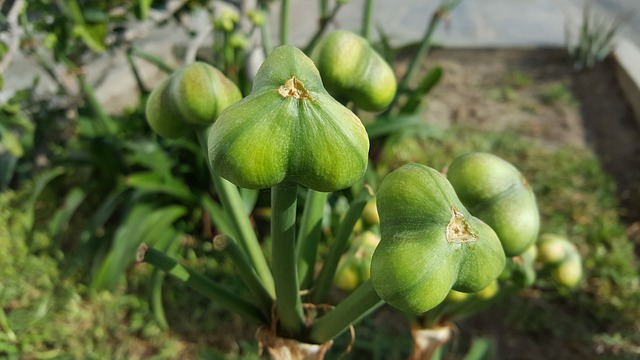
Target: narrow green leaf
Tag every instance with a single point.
(249, 198)
(143, 8)
(144, 223)
(481, 349)
(40, 184)
(218, 216)
(416, 97)
(152, 182)
(91, 35)
(8, 164)
(61, 218)
(386, 126)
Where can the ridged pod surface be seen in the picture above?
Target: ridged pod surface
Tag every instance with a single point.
(351, 69)
(289, 129)
(496, 192)
(191, 98)
(430, 243)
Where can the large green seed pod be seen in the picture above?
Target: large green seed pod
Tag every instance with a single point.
(429, 242)
(352, 70)
(191, 98)
(289, 129)
(496, 192)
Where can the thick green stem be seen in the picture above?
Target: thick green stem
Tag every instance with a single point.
(366, 19)
(283, 221)
(349, 311)
(245, 270)
(309, 236)
(284, 22)
(243, 231)
(325, 279)
(202, 284)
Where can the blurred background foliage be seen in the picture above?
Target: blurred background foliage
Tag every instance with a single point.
(81, 188)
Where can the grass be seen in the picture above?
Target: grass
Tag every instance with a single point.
(50, 316)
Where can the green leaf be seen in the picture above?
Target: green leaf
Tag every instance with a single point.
(62, 216)
(431, 79)
(40, 183)
(217, 215)
(144, 223)
(153, 182)
(11, 143)
(150, 155)
(8, 164)
(481, 349)
(249, 198)
(91, 35)
(143, 8)
(386, 126)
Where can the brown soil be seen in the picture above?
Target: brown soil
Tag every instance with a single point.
(537, 93)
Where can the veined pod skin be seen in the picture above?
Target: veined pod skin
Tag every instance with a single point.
(191, 98)
(289, 129)
(496, 192)
(201, 92)
(430, 243)
(351, 69)
(162, 114)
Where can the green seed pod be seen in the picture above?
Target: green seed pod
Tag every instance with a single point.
(429, 242)
(496, 192)
(370, 213)
(569, 272)
(352, 70)
(162, 115)
(553, 249)
(289, 129)
(191, 98)
(354, 267)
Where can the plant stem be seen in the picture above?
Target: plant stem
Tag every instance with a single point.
(284, 22)
(265, 30)
(366, 19)
(201, 284)
(243, 231)
(324, 6)
(309, 236)
(156, 60)
(354, 307)
(245, 270)
(95, 105)
(325, 279)
(324, 22)
(283, 221)
(425, 45)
